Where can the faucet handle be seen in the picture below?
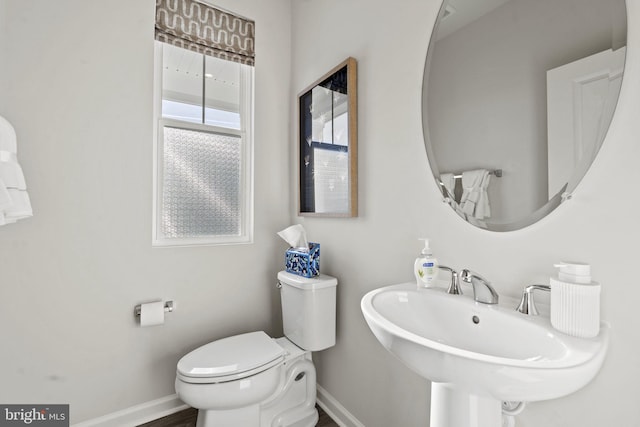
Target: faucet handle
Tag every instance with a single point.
(527, 304)
(454, 286)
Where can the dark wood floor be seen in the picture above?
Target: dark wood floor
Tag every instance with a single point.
(325, 420)
(187, 418)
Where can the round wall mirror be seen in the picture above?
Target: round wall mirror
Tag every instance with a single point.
(517, 98)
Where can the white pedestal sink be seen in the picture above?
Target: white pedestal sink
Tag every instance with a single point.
(478, 355)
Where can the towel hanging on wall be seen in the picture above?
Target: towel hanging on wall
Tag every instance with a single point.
(14, 200)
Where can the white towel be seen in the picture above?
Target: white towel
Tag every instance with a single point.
(475, 200)
(483, 210)
(8, 140)
(448, 181)
(21, 207)
(14, 200)
(5, 197)
(11, 172)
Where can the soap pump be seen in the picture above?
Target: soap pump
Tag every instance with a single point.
(575, 300)
(425, 267)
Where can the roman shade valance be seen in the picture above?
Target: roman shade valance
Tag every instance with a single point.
(201, 28)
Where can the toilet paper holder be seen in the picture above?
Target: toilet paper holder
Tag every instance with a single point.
(168, 308)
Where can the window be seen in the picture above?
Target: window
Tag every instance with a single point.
(203, 154)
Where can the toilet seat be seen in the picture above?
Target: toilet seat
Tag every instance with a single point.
(230, 359)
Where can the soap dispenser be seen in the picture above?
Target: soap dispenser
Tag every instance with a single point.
(425, 267)
(575, 300)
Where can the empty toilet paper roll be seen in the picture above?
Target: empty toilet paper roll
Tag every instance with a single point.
(152, 313)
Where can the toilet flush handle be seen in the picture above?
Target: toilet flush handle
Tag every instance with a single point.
(279, 285)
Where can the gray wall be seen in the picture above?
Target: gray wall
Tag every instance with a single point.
(399, 202)
(79, 93)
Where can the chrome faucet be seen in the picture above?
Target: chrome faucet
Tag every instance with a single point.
(527, 305)
(482, 290)
(454, 286)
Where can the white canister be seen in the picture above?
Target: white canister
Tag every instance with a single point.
(575, 301)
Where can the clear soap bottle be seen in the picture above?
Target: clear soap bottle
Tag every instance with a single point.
(425, 268)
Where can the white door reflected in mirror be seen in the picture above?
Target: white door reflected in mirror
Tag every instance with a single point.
(581, 99)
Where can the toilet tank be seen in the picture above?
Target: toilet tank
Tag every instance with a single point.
(309, 310)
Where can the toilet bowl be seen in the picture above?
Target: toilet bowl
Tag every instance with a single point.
(253, 380)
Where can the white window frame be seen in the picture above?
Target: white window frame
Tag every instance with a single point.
(247, 176)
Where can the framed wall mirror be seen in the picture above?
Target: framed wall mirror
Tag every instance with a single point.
(328, 144)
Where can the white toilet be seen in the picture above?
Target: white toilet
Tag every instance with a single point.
(252, 380)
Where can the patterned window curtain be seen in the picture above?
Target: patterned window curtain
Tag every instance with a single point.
(201, 28)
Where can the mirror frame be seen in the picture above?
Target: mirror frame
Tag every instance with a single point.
(352, 115)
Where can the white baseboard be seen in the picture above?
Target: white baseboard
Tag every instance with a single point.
(139, 414)
(149, 411)
(335, 410)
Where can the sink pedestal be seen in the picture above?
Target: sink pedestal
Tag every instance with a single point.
(453, 407)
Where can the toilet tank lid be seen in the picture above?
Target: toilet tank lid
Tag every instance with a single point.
(231, 355)
(318, 282)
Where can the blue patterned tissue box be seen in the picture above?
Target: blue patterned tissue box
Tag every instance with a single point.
(302, 263)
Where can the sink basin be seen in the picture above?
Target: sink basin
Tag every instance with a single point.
(470, 350)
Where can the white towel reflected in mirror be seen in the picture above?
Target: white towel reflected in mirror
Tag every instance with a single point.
(475, 200)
